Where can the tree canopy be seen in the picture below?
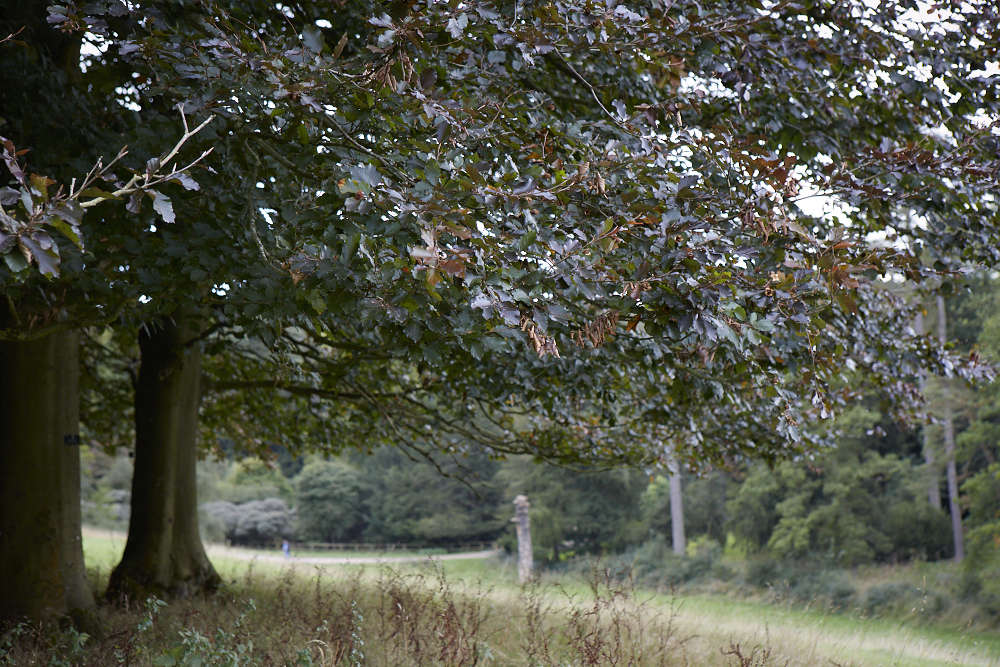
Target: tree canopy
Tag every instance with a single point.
(618, 188)
(583, 230)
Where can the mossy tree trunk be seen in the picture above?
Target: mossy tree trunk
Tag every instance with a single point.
(41, 552)
(164, 554)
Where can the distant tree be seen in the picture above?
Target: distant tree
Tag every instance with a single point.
(849, 506)
(576, 511)
(263, 522)
(253, 479)
(330, 502)
(445, 501)
(704, 508)
(948, 432)
(254, 523)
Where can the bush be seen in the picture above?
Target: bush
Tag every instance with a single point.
(655, 564)
(828, 587)
(252, 479)
(762, 572)
(803, 582)
(918, 530)
(263, 522)
(222, 513)
(892, 598)
(256, 523)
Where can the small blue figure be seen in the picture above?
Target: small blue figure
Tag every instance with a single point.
(286, 549)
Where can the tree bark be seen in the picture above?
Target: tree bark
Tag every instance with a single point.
(42, 572)
(677, 511)
(948, 428)
(164, 554)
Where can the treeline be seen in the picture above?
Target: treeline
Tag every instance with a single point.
(863, 501)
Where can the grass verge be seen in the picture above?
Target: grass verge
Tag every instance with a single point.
(466, 613)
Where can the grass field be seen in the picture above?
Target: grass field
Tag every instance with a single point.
(474, 612)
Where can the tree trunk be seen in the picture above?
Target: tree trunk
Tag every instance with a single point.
(948, 427)
(933, 485)
(42, 573)
(677, 511)
(164, 554)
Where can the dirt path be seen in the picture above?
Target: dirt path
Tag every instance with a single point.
(265, 557)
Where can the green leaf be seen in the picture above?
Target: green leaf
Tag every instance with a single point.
(318, 301)
(67, 230)
(15, 261)
(350, 248)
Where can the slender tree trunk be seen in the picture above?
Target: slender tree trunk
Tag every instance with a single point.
(41, 553)
(677, 511)
(164, 554)
(933, 485)
(948, 428)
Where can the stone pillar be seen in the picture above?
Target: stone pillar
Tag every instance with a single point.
(524, 558)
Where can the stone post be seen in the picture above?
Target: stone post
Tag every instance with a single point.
(524, 558)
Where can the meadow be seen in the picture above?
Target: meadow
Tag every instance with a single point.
(438, 612)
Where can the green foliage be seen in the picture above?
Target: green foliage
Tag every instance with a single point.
(256, 523)
(253, 479)
(849, 506)
(329, 499)
(105, 488)
(656, 565)
(981, 570)
(226, 648)
(579, 512)
(752, 508)
(704, 499)
(450, 500)
(621, 258)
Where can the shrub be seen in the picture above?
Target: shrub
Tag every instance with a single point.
(890, 598)
(918, 530)
(263, 522)
(828, 587)
(762, 572)
(256, 523)
(655, 564)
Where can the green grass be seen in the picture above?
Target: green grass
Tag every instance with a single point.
(466, 612)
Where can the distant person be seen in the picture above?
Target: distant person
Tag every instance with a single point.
(286, 549)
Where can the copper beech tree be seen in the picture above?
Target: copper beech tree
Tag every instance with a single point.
(574, 228)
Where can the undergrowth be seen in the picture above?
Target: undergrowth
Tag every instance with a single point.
(386, 618)
(419, 616)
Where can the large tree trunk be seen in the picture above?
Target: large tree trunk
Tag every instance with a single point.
(41, 553)
(164, 554)
(948, 426)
